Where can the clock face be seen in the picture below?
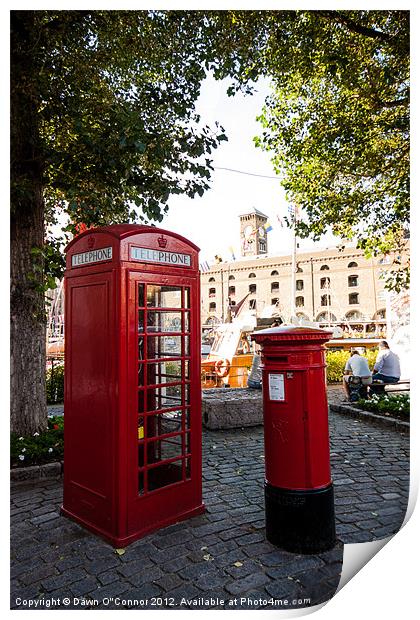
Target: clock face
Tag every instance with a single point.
(261, 231)
(248, 231)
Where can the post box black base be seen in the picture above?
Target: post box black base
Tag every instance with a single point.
(300, 521)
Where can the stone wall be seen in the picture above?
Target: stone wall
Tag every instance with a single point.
(232, 408)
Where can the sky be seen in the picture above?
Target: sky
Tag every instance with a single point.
(212, 221)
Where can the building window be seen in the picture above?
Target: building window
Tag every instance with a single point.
(381, 314)
(274, 273)
(300, 302)
(212, 306)
(326, 317)
(212, 292)
(231, 277)
(232, 290)
(324, 268)
(274, 287)
(299, 270)
(353, 280)
(262, 246)
(252, 304)
(326, 300)
(352, 265)
(354, 298)
(299, 285)
(252, 275)
(275, 301)
(325, 282)
(252, 289)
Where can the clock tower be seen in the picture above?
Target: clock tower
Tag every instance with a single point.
(253, 233)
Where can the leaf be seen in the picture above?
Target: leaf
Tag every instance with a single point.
(120, 551)
(238, 564)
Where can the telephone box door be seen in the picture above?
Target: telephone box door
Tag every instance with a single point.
(164, 414)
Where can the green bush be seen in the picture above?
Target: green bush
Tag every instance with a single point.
(387, 403)
(336, 361)
(39, 448)
(55, 384)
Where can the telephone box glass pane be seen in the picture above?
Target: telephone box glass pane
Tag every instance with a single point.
(164, 475)
(164, 372)
(188, 468)
(187, 298)
(187, 443)
(164, 449)
(141, 454)
(140, 295)
(187, 395)
(187, 321)
(140, 428)
(164, 296)
(164, 397)
(160, 321)
(141, 348)
(140, 326)
(140, 375)
(164, 346)
(164, 423)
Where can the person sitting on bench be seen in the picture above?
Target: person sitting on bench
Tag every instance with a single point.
(356, 366)
(387, 365)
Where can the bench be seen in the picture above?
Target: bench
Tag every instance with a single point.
(403, 385)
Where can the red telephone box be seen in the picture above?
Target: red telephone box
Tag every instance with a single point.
(299, 495)
(132, 447)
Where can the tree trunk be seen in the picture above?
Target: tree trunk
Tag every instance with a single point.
(27, 314)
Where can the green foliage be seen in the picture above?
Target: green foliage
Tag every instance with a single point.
(113, 96)
(336, 361)
(337, 121)
(337, 125)
(55, 384)
(40, 448)
(397, 404)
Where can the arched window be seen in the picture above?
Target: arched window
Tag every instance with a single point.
(299, 270)
(301, 315)
(252, 275)
(326, 317)
(231, 277)
(275, 287)
(353, 280)
(352, 265)
(324, 268)
(232, 290)
(380, 314)
(212, 280)
(326, 300)
(354, 298)
(274, 273)
(300, 302)
(299, 285)
(275, 301)
(212, 292)
(252, 289)
(354, 315)
(325, 282)
(212, 306)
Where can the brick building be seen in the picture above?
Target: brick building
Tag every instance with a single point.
(333, 286)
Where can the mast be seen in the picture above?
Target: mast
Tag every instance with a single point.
(293, 211)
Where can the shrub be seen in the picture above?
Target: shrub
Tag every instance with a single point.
(55, 384)
(387, 403)
(39, 448)
(336, 361)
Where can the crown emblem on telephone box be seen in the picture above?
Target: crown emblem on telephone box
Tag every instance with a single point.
(162, 241)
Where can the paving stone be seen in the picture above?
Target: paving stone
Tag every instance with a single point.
(249, 582)
(171, 560)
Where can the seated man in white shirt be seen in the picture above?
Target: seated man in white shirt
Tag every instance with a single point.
(356, 366)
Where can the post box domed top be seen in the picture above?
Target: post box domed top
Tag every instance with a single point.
(133, 243)
(289, 333)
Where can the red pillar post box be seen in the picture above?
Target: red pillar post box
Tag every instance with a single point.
(299, 496)
(132, 447)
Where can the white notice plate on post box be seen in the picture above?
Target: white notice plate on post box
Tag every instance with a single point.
(276, 386)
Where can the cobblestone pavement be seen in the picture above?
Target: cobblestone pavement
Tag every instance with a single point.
(222, 554)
